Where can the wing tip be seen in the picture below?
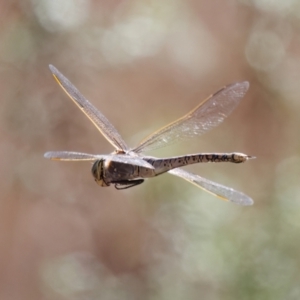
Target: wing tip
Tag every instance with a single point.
(249, 203)
(49, 155)
(52, 68)
(251, 157)
(245, 202)
(242, 84)
(246, 85)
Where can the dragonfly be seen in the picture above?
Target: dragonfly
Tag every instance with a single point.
(127, 167)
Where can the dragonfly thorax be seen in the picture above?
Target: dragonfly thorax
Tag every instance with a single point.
(120, 172)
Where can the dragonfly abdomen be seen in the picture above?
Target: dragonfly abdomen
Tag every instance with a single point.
(219, 157)
(167, 164)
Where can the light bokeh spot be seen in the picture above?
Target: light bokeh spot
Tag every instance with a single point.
(278, 6)
(288, 189)
(71, 274)
(139, 33)
(55, 15)
(264, 50)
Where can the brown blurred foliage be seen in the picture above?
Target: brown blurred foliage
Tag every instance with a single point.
(143, 64)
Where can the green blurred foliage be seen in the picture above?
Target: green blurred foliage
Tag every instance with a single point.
(143, 64)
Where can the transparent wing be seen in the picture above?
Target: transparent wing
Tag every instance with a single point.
(78, 156)
(208, 114)
(221, 191)
(71, 156)
(98, 119)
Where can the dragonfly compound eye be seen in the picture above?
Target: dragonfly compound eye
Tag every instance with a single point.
(97, 171)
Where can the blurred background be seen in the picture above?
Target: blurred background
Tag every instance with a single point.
(144, 63)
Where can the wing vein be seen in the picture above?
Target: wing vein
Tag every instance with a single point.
(96, 117)
(207, 115)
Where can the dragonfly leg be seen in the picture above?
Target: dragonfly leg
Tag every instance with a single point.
(126, 184)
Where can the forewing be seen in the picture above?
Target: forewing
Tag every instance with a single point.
(78, 156)
(98, 119)
(221, 191)
(208, 114)
(72, 156)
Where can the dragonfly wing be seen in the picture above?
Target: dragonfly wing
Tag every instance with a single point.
(98, 119)
(72, 156)
(78, 156)
(216, 189)
(208, 114)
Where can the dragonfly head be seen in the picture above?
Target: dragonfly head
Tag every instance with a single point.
(98, 173)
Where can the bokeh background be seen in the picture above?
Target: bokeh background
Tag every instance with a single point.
(144, 63)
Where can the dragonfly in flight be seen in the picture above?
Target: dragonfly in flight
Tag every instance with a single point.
(127, 167)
